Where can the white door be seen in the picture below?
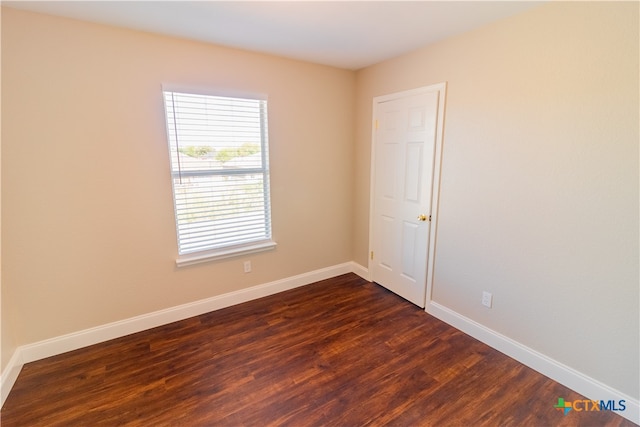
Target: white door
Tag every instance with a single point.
(406, 142)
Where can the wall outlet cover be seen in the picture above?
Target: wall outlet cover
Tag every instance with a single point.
(487, 299)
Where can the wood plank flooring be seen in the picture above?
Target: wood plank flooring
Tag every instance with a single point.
(341, 352)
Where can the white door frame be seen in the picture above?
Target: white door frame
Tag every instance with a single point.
(437, 166)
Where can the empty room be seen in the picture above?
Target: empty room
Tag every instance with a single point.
(320, 213)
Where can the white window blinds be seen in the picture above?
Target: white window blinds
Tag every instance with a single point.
(219, 166)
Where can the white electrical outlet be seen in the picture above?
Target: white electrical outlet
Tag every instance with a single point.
(487, 299)
(247, 266)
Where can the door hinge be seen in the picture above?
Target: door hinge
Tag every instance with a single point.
(371, 254)
(376, 124)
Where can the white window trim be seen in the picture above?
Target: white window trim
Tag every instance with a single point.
(217, 254)
(188, 259)
(213, 91)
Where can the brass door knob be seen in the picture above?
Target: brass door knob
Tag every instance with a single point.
(422, 217)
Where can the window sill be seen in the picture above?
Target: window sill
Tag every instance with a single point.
(200, 257)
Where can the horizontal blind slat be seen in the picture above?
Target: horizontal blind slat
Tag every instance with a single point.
(196, 241)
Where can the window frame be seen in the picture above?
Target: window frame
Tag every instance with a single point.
(231, 249)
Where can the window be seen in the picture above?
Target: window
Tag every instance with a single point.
(220, 172)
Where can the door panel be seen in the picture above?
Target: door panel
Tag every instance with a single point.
(388, 186)
(386, 234)
(402, 179)
(413, 175)
(410, 234)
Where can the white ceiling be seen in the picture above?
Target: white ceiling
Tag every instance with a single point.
(345, 34)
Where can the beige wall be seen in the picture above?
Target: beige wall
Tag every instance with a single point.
(7, 345)
(539, 201)
(87, 223)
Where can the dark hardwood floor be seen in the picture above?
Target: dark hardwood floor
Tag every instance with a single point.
(341, 352)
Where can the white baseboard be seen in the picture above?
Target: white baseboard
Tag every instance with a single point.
(73, 341)
(563, 374)
(360, 271)
(10, 375)
(569, 377)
